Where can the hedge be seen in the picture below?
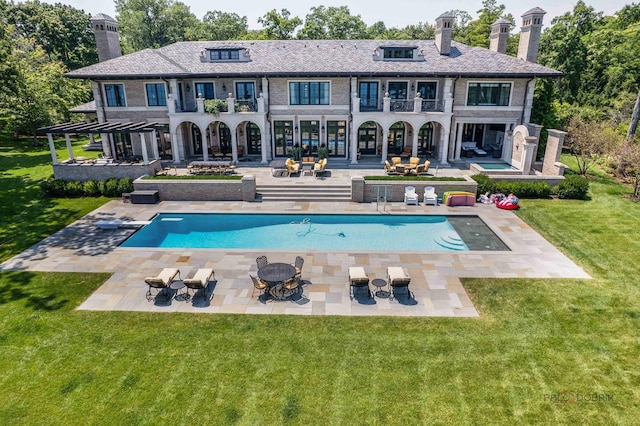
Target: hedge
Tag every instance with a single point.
(73, 188)
(573, 187)
(521, 189)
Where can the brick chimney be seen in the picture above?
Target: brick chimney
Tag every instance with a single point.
(105, 29)
(444, 32)
(530, 34)
(500, 35)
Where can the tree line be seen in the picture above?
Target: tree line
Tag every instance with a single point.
(599, 55)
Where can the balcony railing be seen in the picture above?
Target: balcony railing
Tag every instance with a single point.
(246, 106)
(402, 105)
(432, 105)
(370, 107)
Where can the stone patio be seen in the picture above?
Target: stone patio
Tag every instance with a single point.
(82, 247)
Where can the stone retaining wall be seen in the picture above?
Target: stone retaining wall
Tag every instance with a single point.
(363, 191)
(200, 190)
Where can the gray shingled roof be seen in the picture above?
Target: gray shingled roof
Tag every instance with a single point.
(535, 10)
(103, 16)
(312, 58)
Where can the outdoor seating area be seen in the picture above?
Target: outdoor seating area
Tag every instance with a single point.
(396, 167)
(278, 280)
(211, 168)
(397, 278)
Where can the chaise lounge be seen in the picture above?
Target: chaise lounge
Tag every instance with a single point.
(398, 278)
(358, 279)
(200, 281)
(162, 282)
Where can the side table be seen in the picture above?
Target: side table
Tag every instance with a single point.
(177, 286)
(379, 284)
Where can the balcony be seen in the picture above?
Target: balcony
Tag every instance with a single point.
(415, 105)
(432, 105)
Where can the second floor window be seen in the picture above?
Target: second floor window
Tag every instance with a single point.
(205, 89)
(397, 90)
(115, 95)
(309, 93)
(488, 94)
(156, 95)
(224, 54)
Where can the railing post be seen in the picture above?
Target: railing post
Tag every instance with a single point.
(356, 103)
(200, 104)
(231, 104)
(417, 103)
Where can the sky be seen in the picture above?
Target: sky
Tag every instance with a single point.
(394, 13)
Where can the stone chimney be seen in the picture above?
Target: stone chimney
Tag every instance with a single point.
(530, 34)
(500, 35)
(105, 29)
(444, 32)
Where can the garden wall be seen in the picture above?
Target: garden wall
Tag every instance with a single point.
(200, 190)
(87, 171)
(364, 191)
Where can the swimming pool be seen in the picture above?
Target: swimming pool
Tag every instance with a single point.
(496, 166)
(299, 232)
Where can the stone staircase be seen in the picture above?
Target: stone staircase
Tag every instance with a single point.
(306, 192)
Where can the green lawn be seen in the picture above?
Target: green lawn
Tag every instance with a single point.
(534, 338)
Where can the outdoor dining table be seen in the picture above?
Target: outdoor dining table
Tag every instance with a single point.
(275, 274)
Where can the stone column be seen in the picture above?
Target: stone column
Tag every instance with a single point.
(143, 146)
(263, 146)
(385, 147)
(205, 145)
(529, 146)
(52, 148)
(354, 147)
(386, 103)
(528, 102)
(444, 160)
(414, 149)
(234, 148)
(552, 165)
(154, 145)
(458, 147)
(176, 141)
(507, 147)
(69, 147)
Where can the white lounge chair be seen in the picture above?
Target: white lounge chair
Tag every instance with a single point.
(410, 196)
(430, 196)
(161, 282)
(358, 278)
(398, 277)
(200, 281)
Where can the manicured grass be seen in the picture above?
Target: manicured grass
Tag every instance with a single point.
(534, 338)
(27, 217)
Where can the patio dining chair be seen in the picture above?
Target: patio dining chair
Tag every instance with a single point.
(298, 265)
(261, 261)
(258, 284)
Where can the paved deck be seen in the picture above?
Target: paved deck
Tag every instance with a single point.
(82, 247)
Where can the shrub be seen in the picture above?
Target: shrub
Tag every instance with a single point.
(485, 184)
(573, 187)
(524, 189)
(124, 185)
(110, 188)
(91, 189)
(74, 188)
(53, 187)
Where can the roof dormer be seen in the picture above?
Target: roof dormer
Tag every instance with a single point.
(225, 54)
(397, 53)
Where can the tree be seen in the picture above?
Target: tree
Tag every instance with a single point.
(63, 32)
(478, 31)
(587, 141)
(631, 167)
(334, 23)
(218, 25)
(153, 23)
(279, 26)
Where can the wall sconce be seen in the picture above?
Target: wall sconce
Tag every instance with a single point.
(322, 127)
(224, 87)
(188, 88)
(384, 87)
(241, 132)
(295, 128)
(213, 132)
(413, 86)
(260, 87)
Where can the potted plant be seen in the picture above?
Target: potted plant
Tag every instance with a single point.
(296, 152)
(323, 151)
(214, 106)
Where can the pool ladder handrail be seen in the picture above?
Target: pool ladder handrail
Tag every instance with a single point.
(383, 193)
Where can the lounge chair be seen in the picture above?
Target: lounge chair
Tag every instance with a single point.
(358, 279)
(293, 167)
(430, 196)
(388, 168)
(258, 284)
(319, 167)
(398, 278)
(161, 282)
(200, 281)
(410, 196)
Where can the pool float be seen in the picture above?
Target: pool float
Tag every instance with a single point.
(508, 204)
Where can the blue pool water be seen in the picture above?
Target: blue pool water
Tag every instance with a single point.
(298, 232)
(496, 166)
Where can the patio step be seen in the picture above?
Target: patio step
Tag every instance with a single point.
(304, 192)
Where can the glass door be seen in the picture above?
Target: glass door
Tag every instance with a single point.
(283, 137)
(225, 138)
(336, 138)
(396, 138)
(368, 95)
(196, 140)
(254, 139)
(310, 137)
(368, 138)
(245, 96)
(425, 140)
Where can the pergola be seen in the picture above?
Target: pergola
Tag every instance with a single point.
(141, 127)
